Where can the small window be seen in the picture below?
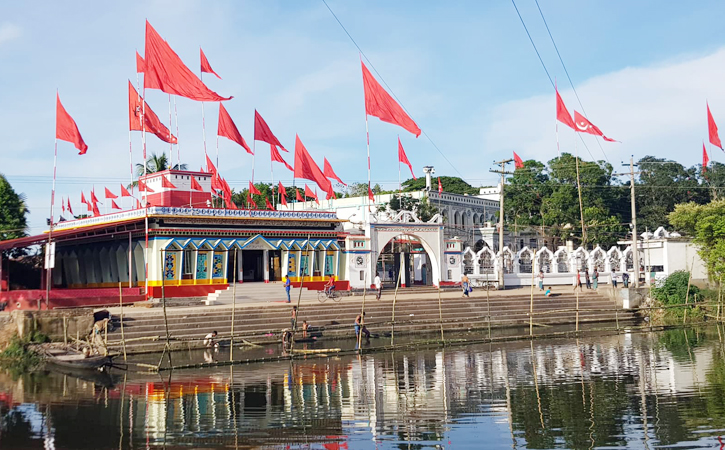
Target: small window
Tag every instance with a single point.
(362, 275)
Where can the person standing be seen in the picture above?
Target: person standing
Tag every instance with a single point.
(360, 326)
(587, 279)
(465, 285)
(541, 280)
(595, 278)
(287, 287)
(614, 279)
(293, 320)
(578, 281)
(378, 286)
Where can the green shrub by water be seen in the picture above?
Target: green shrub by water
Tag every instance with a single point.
(19, 355)
(674, 291)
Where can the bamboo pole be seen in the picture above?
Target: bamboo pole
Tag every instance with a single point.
(395, 298)
(234, 306)
(577, 311)
(65, 330)
(440, 311)
(616, 314)
(687, 296)
(105, 338)
(531, 305)
(299, 294)
(719, 299)
(488, 306)
(362, 315)
(163, 304)
(120, 303)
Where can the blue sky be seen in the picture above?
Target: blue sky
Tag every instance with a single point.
(464, 70)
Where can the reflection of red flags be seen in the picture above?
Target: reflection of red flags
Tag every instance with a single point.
(309, 193)
(143, 188)
(299, 197)
(305, 167)
(440, 186)
(282, 194)
(165, 70)
(371, 196)
(205, 66)
(140, 63)
(380, 104)
(124, 192)
(583, 125)
(110, 194)
(263, 133)
(402, 157)
(253, 189)
(276, 157)
(210, 165)
(250, 201)
(712, 129)
(562, 114)
(705, 158)
(267, 203)
(114, 205)
(518, 162)
(66, 128)
(227, 129)
(166, 183)
(329, 173)
(153, 123)
(70, 210)
(195, 184)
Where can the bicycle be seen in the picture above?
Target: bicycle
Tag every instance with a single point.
(322, 296)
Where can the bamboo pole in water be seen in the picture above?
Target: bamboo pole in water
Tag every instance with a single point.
(167, 347)
(577, 312)
(362, 315)
(395, 298)
(440, 311)
(719, 298)
(120, 304)
(488, 306)
(687, 296)
(299, 294)
(531, 305)
(234, 306)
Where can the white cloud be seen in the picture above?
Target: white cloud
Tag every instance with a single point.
(9, 32)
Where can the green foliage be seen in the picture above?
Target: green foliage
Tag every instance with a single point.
(19, 354)
(454, 185)
(13, 212)
(706, 224)
(361, 190)
(157, 163)
(422, 208)
(674, 289)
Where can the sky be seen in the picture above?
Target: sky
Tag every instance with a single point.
(465, 71)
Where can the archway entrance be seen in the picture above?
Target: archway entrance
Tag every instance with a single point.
(406, 253)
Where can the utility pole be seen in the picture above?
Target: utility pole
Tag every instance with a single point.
(503, 173)
(635, 249)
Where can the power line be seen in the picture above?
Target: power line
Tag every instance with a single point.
(380, 77)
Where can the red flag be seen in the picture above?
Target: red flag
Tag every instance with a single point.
(276, 157)
(143, 188)
(83, 199)
(518, 162)
(138, 204)
(210, 165)
(229, 130)
(114, 205)
(94, 199)
(268, 204)
(216, 184)
(225, 187)
(440, 186)
(402, 157)
(705, 158)
(66, 128)
(62, 204)
(140, 64)
(299, 197)
(380, 104)
(250, 201)
(153, 123)
(95, 210)
(316, 200)
(329, 173)
(371, 196)
(205, 67)
(282, 194)
(562, 114)
(331, 196)
(583, 125)
(306, 168)
(164, 70)
(70, 210)
(166, 183)
(253, 189)
(263, 133)
(195, 184)
(124, 192)
(309, 193)
(712, 129)
(110, 194)
(232, 205)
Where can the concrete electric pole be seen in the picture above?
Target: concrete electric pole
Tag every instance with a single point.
(635, 248)
(503, 173)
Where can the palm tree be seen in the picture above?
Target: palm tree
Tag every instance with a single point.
(156, 163)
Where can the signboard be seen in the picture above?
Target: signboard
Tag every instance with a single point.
(50, 255)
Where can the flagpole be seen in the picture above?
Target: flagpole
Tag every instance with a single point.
(254, 156)
(49, 270)
(203, 122)
(217, 159)
(367, 134)
(145, 198)
(178, 147)
(579, 188)
(171, 146)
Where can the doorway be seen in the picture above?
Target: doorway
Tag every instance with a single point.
(252, 265)
(275, 265)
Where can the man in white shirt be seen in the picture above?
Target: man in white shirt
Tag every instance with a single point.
(378, 286)
(209, 340)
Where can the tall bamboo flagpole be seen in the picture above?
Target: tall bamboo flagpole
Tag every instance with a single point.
(178, 146)
(203, 123)
(254, 156)
(145, 199)
(49, 260)
(171, 146)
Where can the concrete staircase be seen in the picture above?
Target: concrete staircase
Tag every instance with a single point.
(255, 292)
(263, 322)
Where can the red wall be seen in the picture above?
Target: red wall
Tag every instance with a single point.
(185, 291)
(179, 198)
(66, 298)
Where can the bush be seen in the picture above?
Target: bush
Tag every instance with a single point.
(673, 290)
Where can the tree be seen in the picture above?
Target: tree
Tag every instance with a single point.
(454, 185)
(361, 190)
(525, 192)
(422, 208)
(157, 163)
(13, 212)
(706, 224)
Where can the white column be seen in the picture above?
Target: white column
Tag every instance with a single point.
(265, 265)
(403, 274)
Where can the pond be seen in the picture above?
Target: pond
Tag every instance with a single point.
(632, 390)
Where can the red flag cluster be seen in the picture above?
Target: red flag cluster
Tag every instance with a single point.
(139, 110)
(580, 123)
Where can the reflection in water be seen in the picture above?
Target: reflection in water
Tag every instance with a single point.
(628, 391)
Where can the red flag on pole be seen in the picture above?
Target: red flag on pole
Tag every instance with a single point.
(282, 194)
(276, 157)
(140, 64)
(253, 189)
(329, 173)
(562, 114)
(66, 128)
(316, 199)
(440, 186)
(124, 192)
(705, 158)
(153, 123)
(403, 158)
(518, 162)
(94, 199)
(114, 205)
(228, 130)
(110, 194)
(263, 133)
(712, 129)
(268, 204)
(380, 104)
(83, 199)
(210, 166)
(331, 196)
(371, 196)
(143, 188)
(309, 193)
(70, 210)
(95, 210)
(205, 66)
(138, 204)
(195, 184)
(164, 70)
(250, 201)
(62, 204)
(299, 197)
(166, 183)
(583, 125)
(306, 168)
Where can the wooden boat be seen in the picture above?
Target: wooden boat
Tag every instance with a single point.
(69, 357)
